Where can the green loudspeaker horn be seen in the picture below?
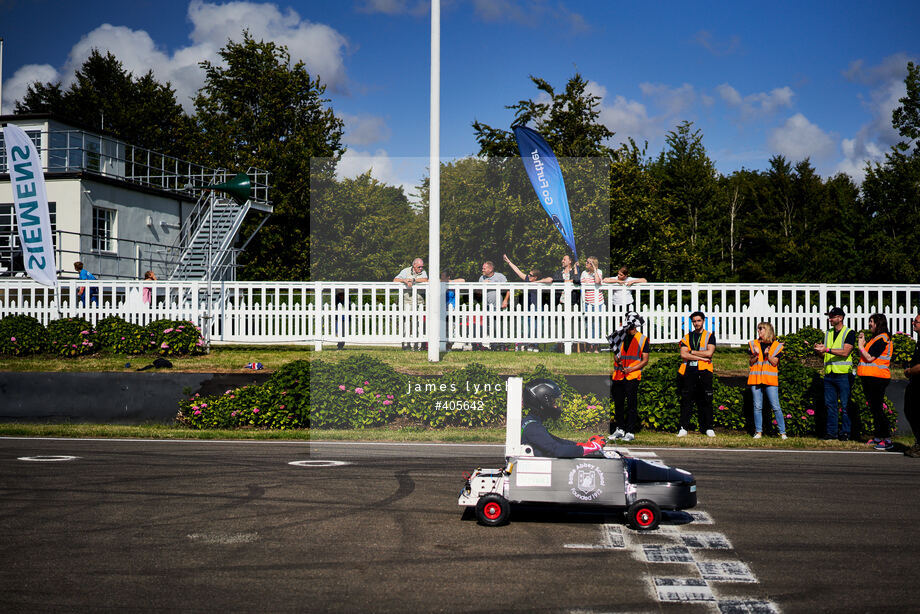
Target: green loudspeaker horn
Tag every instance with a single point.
(239, 188)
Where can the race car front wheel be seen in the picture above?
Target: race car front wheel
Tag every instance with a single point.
(643, 515)
(492, 510)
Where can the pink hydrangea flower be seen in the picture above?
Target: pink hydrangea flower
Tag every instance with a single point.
(197, 412)
(255, 410)
(13, 339)
(388, 402)
(281, 407)
(341, 386)
(389, 396)
(810, 412)
(359, 390)
(366, 383)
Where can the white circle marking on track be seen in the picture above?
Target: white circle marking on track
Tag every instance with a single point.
(318, 463)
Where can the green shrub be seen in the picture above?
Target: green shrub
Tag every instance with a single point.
(22, 335)
(904, 346)
(801, 343)
(358, 392)
(122, 337)
(72, 337)
(174, 338)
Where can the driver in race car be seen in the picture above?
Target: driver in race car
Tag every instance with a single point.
(541, 397)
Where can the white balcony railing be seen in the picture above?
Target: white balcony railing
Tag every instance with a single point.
(323, 313)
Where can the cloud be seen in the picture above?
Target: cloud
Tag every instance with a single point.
(674, 100)
(798, 139)
(706, 40)
(405, 172)
(530, 13)
(874, 138)
(753, 105)
(321, 48)
(16, 86)
(628, 118)
(395, 7)
(364, 129)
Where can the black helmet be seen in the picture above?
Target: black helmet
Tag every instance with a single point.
(540, 397)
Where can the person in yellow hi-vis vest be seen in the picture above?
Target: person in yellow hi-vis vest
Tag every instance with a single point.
(696, 350)
(838, 344)
(874, 370)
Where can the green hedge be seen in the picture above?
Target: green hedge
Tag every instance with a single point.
(69, 337)
(22, 336)
(362, 392)
(73, 337)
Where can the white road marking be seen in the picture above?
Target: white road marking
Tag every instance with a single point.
(682, 590)
(47, 459)
(224, 539)
(725, 571)
(705, 541)
(747, 606)
(657, 553)
(318, 463)
(612, 538)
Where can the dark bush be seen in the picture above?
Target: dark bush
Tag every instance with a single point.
(22, 335)
(72, 337)
(174, 338)
(121, 337)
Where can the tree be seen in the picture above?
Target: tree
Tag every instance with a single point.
(259, 110)
(107, 98)
(568, 122)
(891, 195)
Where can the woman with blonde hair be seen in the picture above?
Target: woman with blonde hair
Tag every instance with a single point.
(763, 377)
(591, 279)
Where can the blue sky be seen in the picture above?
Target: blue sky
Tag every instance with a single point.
(815, 79)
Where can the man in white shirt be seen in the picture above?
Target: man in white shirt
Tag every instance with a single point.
(412, 302)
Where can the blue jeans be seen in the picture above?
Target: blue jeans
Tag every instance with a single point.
(772, 392)
(837, 385)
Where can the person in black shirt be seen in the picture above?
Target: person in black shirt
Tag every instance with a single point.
(912, 395)
(696, 350)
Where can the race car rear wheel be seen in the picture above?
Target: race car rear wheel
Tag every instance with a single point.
(492, 510)
(643, 515)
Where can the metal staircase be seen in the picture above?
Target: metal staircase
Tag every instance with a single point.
(206, 240)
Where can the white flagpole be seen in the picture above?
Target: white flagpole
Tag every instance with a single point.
(435, 292)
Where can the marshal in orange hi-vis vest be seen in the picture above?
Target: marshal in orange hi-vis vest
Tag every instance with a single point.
(702, 365)
(762, 372)
(630, 356)
(881, 366)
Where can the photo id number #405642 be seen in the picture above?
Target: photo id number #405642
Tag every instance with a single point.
(476, 405)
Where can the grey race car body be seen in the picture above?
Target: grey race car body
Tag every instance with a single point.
(612, 480)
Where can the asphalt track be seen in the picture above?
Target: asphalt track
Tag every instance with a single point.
(232, 526)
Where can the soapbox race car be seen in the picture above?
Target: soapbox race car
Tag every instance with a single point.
(605, 480)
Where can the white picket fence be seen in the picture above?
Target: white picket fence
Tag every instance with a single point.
(323, 313)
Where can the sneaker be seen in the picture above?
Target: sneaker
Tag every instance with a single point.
(873, 441)
(829, 437)
(913, 451)
(710, 433)
(884, 444)
(783, 436)
(682, 433)
(617, 434)
(758, 435)
(628, 437)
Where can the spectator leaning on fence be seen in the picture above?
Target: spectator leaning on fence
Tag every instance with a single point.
(591, 279)
(763, 377)
(410, 276)
(839, 341)
(533, 299)
(490, 297)
(622, 296)
(696, 350)
(912, 393)
(874, 370)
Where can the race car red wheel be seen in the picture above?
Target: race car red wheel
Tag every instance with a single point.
(492, 510)
(643, 515)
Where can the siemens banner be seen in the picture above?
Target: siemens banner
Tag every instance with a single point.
(31, 201)
(546, 178)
